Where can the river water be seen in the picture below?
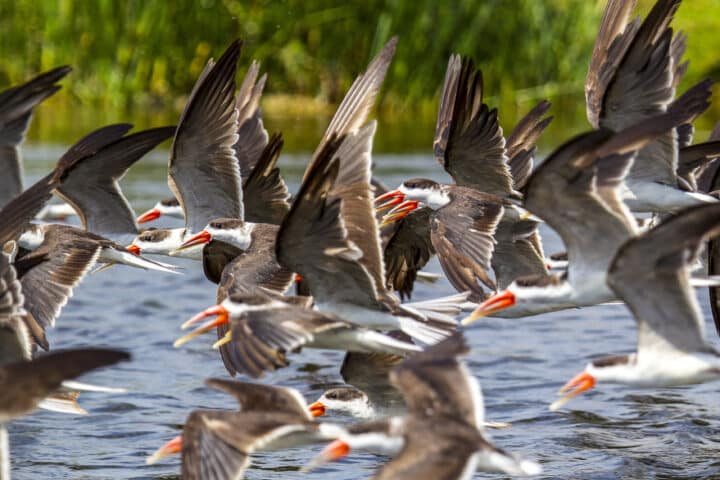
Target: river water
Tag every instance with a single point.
(611, 432)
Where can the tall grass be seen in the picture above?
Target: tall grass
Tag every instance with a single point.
(141, 57)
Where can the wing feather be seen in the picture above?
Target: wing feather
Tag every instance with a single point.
(203, 171)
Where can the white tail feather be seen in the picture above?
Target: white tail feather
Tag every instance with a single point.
(86, 387)
(62, 405)
(421, 331)
(378, 342)
(427, 277)
(443, 309)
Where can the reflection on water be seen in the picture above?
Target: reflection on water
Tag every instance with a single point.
(401, 130)
(608, 433)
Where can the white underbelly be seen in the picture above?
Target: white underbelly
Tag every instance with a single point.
(361, 316)
(656, 197)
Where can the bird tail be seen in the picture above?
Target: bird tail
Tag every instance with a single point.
(428, 332)
(441, 310)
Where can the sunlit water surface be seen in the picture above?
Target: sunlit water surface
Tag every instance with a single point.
(611, 432)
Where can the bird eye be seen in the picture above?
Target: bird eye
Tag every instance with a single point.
(332, 395)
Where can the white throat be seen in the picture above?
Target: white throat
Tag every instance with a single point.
(433, 198)
(238, 237)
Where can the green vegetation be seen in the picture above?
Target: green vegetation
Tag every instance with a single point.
(137, 60)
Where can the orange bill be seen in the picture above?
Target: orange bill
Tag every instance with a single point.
(221, 319)
(317, 409)
(389, 199)
(400, 212)
(582, 382)
(172, 447)
(149, 216)
(197, 239)
(497, 302)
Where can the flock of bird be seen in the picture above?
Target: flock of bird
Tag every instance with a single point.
(353, 250)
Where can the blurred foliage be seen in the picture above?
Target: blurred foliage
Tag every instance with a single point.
(138, 59)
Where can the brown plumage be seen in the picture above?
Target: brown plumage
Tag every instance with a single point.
(265, 194)
(407, 251)
(16, 215)
(631, 77)
(466, 128)
(91, 184)
(50, 273)
(252, 136)
(202, 158)
(470, 146)
(16, 109)
(217, 444)
(651, 274)
(462, 233)
(25, 382)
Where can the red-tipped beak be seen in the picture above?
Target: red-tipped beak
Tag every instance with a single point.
(317, 409)
(400, 212)
(335, 451)
(580, 383)
(134, 249)
(221, 319)
(149, 216)
(298, 278)
(170, 448)
(389, 199)
(197, 239)
(497, 302)
(218, 310)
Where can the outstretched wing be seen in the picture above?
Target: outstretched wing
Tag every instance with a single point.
(16, 109)
(265, 193)
(14, 340)
(651, 273)
(462, 233)
(203, 171)
(437, 383)
(58, 266)
(91, 185)
(313, 239)
(469, 141)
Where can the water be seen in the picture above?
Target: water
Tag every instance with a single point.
(611, 432)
